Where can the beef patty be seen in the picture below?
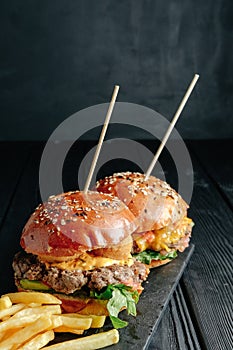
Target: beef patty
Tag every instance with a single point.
(28, 266)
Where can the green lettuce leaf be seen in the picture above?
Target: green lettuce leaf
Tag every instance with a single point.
(117, 322)
(148, 255)
(119, 296)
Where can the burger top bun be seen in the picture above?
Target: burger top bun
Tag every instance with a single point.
(153, 202)
(72, 223)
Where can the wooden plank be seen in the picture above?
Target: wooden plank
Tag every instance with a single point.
(208, 279)
(180, 311)
(217, 161)
(205, 282)
(165, 336)
(176, 330)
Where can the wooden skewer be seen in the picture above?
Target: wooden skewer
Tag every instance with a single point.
(101, 139)
(171, 126)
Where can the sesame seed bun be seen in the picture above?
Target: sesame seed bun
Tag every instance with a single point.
(72, 223)
(161, 214)
(76, 244)
(153, 202)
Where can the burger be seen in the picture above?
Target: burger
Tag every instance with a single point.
(163, 227)
(78, 246)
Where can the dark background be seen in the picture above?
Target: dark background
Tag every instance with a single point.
(57, 57)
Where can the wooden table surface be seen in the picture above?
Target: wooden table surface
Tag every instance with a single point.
(199, 315)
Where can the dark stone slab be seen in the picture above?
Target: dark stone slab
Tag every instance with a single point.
(152, 304)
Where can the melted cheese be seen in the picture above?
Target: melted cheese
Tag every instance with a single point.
(88, 262)
(161, 239)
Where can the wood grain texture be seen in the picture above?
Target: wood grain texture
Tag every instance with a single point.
(208, 280)
(217, 161)
(176, 330)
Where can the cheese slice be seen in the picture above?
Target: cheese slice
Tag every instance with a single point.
(87, 262)
(161, 239)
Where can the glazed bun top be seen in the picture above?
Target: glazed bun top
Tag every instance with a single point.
(73, 222)
(153, 202)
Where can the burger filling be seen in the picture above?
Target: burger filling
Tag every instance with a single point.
(118, 285)
(28, 267)
(162, 244)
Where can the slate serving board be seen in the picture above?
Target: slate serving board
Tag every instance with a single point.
(157, 292)
(152, 304)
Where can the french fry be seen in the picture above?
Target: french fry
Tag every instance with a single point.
(28, 320)
(56, 321)
(8, 333)
(12, 323)
(38, 341)
(25, 334)
(11, 310)
(5, 303)
(74, 322)
(46, 309)
(92, 342)
(5, 318)
(97, 321)
(34, 304)
(64, 329)
(33, 297)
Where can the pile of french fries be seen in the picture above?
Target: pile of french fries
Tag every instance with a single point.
(30, 320)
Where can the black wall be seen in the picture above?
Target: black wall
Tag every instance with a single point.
(57, 57)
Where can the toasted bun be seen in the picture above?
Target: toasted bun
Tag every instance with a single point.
(153, 202)
(83, 306)
(157, 263)
(73, 222)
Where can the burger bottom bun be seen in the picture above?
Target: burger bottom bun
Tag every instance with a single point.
(157, 263)
(83, 306)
